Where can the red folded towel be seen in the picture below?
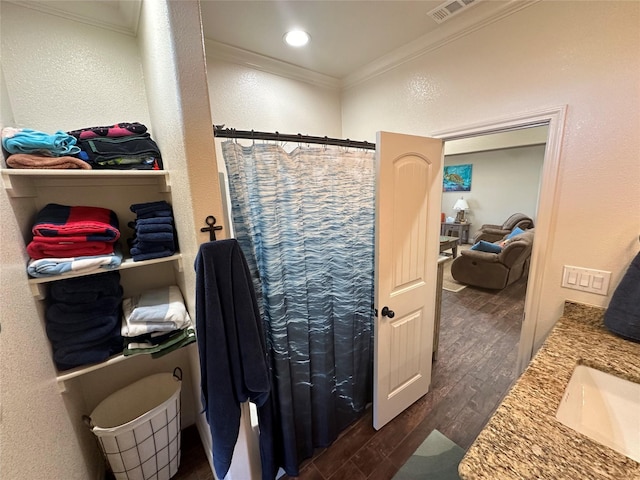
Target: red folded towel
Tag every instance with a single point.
(47, 247)
(85, 223)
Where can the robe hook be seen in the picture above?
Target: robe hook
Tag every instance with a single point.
(211, 221)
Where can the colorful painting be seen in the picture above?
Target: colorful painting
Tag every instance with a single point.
(457, 178)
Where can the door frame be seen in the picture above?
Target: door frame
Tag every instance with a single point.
(546, 219)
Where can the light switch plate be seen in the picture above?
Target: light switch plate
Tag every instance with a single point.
(586, 279)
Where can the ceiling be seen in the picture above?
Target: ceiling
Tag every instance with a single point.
(350, 39)
(346, 35)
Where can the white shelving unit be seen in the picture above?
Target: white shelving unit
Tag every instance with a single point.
(37, 284)
(143, 73)
(25, 182)
(123, 187)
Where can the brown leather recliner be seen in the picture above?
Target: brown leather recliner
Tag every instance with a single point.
(495, 270)
(493, 233)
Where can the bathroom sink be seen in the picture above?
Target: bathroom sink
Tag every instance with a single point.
(603, 407)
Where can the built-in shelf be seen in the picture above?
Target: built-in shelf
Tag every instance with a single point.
(79, 371)
(25, 182)
(67, 375)
(33, 182)
(37, 284)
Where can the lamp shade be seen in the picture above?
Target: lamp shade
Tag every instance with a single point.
(461, 204)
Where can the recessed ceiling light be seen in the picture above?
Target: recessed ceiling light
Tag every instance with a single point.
(296, 38)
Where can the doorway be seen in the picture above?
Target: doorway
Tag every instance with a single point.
(554, 118)
(505, 173)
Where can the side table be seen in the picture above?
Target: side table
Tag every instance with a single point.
(462, 229)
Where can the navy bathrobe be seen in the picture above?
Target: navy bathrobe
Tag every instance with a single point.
(233, 358)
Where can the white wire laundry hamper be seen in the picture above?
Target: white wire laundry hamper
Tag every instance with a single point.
(138, 428)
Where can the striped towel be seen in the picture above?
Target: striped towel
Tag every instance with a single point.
(157, 310)
(94, 224)
(47, 267)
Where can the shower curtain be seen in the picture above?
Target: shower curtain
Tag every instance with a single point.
(305, 223)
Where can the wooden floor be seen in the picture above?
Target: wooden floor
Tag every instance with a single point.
(476, 366)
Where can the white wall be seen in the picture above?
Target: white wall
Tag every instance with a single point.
(248, 99)
(503, 182)
(89, 74)
(53, 82)
(549, 54)
(60, 75)
(32, 413)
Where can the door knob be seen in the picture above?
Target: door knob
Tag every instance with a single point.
(388, 313)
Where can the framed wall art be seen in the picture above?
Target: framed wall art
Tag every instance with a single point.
(457, 178)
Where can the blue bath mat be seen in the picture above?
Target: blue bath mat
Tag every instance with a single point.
(436, 459)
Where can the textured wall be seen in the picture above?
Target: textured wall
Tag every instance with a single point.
(59, 75)
(503, 182)
(247, 99)
(72, 75)
(76, 73)
(34, 415)
(549, 54)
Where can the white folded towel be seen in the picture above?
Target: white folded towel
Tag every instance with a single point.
(158, 310)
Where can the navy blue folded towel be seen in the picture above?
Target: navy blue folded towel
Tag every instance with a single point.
(86, 289)
(141, 256)
(79, 316)
(155, 237)
(62, 336)
(71, 356)
(158, 205)
(622, 316)
(145, 229)
(156, 214)
(151, 209)
(151, 221)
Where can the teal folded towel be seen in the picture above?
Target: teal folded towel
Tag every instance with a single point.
(27, 140)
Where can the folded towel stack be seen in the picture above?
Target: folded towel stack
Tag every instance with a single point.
(156, 322)
(64, 231)
(83, 319)
(123, 146)
(122, 129)
(154, 232)
(27, 140)
(28, 148)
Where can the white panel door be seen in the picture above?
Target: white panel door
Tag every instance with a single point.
(408, 195)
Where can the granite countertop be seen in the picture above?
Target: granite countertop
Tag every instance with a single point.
(523, 439)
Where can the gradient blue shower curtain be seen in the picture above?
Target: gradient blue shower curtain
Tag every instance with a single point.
(305, 223)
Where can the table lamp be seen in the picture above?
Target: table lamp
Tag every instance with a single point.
(460, 206)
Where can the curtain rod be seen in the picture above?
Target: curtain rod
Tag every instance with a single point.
(221, 132)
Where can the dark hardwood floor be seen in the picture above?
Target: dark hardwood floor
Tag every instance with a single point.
(479, 337)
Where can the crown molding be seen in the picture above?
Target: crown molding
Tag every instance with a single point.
(432, 41)
(123, 19)
(404, 54)
(227, 53)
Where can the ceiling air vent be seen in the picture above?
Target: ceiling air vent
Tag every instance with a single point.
(450, 8)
